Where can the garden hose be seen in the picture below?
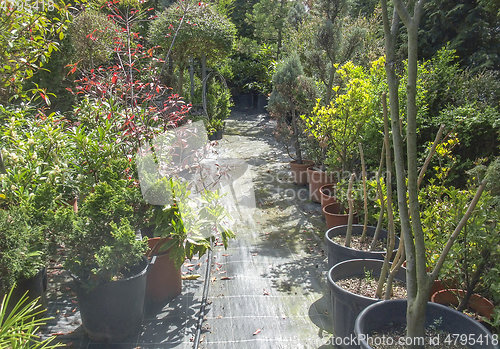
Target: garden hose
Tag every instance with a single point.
(204, 299)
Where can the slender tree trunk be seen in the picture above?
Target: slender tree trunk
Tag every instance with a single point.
(180, 82)
(203, 66)
(298, 150)
(191, 77)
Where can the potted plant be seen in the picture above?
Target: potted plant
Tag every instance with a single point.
(448, 325)
(107, 261)
(337, 126)
(291, 96)
(418, 279)
(474, 253)
(337, 251)
(182, 229)
(23, 257)
(215, 128)
(348, 304)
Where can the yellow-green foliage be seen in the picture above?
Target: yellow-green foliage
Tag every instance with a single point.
(340, 125)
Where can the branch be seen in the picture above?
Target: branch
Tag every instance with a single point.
(403, 13)
(429, 156)
(458, 229)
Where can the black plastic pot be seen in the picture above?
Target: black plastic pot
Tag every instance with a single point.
(113, 310)
(347, 305)
(339, 253)
(217, 135)
(383, 313)
(35, 287)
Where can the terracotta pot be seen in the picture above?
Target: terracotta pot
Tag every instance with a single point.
(299, 171)
(334, 217)
(317, 179)
(164, 280)
(327, 195)
(478, 304)
(439, 285)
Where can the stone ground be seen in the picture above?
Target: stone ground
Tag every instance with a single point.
(267, 290)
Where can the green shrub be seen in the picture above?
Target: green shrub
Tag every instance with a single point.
(102, 245)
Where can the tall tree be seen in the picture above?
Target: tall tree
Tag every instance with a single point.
(469, 26)
(335, 47)
(203, 32)
(269, 19)
(418, 279)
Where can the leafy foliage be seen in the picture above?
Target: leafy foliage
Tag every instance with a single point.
(35, 151)
(93, 36)
(103, 245)
(190, 223)
(203, 31)
(470, 27)
(28, 36)
(339, 126)
(22, 250)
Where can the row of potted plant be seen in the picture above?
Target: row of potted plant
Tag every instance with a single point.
(474, 225)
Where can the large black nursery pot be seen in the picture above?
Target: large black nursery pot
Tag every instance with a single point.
(339, 253)
(381, 314)
(113, 310)
(34, 287)
(347, 305)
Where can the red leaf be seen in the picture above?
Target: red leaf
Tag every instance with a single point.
(114, 79)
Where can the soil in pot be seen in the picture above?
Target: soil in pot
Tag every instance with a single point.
(164, 280)
(113, 311)
(339, 252)
(317, 179)
(366, 286)
(439, 318)
(478, 306)
(347, 305)
(299, 171)
(335, 215)
(396, 331)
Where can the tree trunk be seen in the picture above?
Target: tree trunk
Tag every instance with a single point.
(191, 77)
(180, 82)
(298, 150)
(203, 66)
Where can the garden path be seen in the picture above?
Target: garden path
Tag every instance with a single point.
(267, 290)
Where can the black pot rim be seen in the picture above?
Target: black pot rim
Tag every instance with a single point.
(357, 324)
(343, 291)
(329, 240)
(135, 276)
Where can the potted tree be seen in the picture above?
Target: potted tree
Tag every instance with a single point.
(418, 279)
(107, 261)
(291, 96)
(473, 254)
(338, 125)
